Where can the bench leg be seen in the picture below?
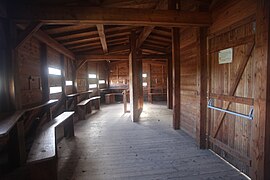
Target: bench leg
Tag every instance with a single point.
(97, 104)
(16, 146)
(90, 107)
(82, 112)
(69, 127)
(43, 170)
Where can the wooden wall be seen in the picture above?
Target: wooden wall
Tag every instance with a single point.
(119, 75)
(234, 26)
(29, 65)
(30, 72)
(190, 101)
(156, 77)
(98, 68)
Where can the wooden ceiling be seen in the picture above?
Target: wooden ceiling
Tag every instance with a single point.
(100, 39)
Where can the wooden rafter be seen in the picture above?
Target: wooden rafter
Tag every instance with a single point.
(102, 36)
(45, 38)
(91, 57)
(94, 15)
(27, 33)
(147, 30)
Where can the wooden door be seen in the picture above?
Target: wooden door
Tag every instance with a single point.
(231, 86)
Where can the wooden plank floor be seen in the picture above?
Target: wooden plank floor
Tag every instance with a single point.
(109, 146)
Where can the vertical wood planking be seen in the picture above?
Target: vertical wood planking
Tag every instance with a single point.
(176, 76)
(135, 83)
(44, 72)
(169, 82)
(63, 74)
(202, 81)
(7, 95)
(260, 146)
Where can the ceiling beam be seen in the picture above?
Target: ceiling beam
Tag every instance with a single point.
(45, 38)
(102, 36)
(27, 33)
(124, 57)
(95, 15)
(147, 30)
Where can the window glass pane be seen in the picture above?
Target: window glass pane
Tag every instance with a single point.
(144, 75)
(54, 71)
(56, 89)
(144, 84)
(101, 81)
(92, 75)
(92, 86)
(69, 83)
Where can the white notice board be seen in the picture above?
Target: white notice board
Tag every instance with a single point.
(225, 56)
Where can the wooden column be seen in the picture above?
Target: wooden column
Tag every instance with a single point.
(135, 81)
(260, 130)
(74, 77)
(44, 73)
(169, 83)
(63, 75)
(149, 85)
(202, 85)
(176, 77)
(7, 70)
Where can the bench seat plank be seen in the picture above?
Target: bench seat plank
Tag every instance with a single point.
(84, 102)
(8, 122)
(44, 145)
(94, 98)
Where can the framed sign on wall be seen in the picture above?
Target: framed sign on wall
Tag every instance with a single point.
(225, 56)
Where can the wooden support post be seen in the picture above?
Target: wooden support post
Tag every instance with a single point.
(7, 70)
(149, 84)
(176, 77)
(260, 129)
(125, 100)
(16, 146)
(202, 84)
(63, 75)
(169, 83)
(87, 78)
(135, 81)
(44, 72)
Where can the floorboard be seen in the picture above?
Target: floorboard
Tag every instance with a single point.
(109, 146)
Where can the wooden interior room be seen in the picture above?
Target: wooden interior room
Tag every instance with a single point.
(134, 89)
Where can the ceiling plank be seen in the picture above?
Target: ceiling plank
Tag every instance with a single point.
(65, 29)
(95, 15)
(102, 36)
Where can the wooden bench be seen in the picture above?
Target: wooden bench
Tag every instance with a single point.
(84, 107)
(110, 98)
(42, 158)
(12, 132)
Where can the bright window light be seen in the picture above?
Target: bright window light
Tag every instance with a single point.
(92, 76)
(92, 86)
(101, 81)
(56, 89)
(144, 75)
(54, 71)
(144, 84)
(69, 83)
